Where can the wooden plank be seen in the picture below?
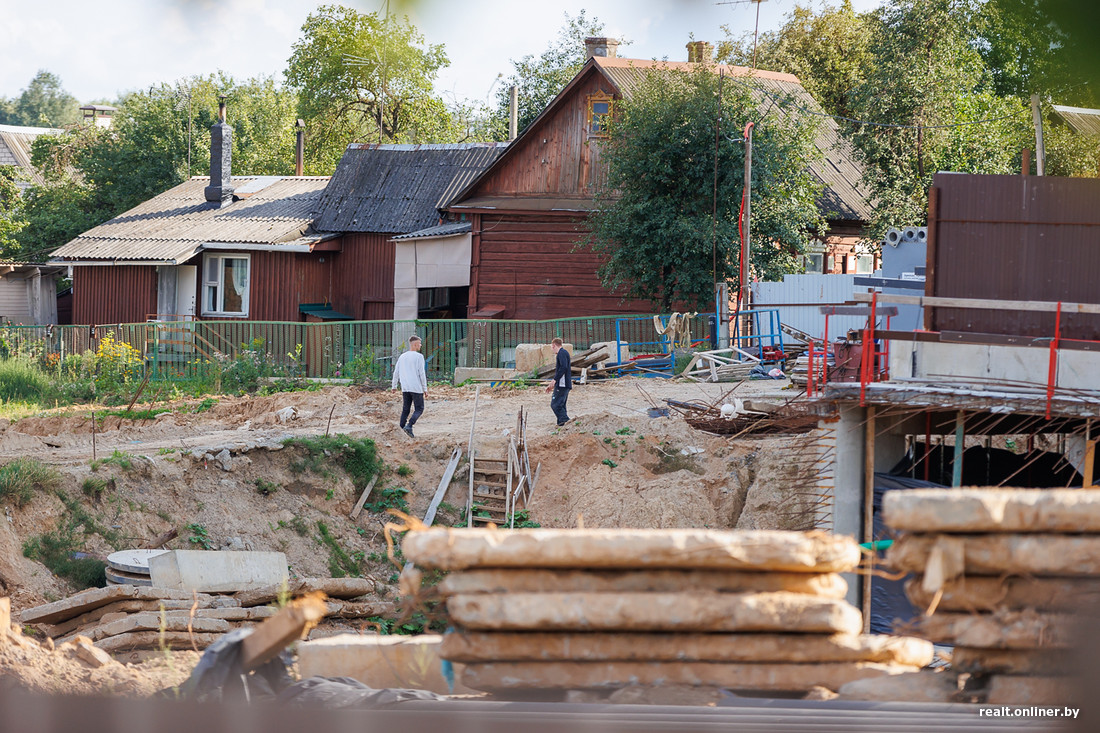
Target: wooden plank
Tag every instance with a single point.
(473, 423)
(363, 498)
(289, 625)
(441, 490)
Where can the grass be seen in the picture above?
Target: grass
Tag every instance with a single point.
(19, 479)
(299, 526)
(119, 458)
(58, 549)
(93, 487)
(20, 380)
(265, 487)
(148, 414)
(358, 457)
(340, 563)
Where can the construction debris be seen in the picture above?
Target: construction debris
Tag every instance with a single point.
(1009, 632)
(746, 418)
(609, 609)
(134, 618)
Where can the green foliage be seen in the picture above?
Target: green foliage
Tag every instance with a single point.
(340, 563)
(119, 458)
(524, 521)
(299, 526)
(364, 367)
(199, 536)
(364, 77)
(625, 431)
(55, 549)
(654, 224)
(43, 103)
(265, 487)
(609, 463)
(541, 79)
(404, 470)
(11, 215)
(242, 374)
(391, 497)
(20, 478)
(94, 487)
(21, 380)
(357, 456)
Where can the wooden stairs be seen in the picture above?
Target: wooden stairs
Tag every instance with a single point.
(501, 486)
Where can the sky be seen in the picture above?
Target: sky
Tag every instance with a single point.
(103, 49)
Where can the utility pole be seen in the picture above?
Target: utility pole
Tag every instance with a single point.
(1040, 151)
(746, 250)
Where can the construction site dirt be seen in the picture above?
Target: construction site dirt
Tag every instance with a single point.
(223, 479)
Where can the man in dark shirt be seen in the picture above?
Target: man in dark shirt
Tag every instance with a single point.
(563, 381)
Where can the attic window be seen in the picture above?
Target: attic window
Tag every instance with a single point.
(600, 106)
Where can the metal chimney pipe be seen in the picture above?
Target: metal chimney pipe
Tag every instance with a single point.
(513, 112)
(300, 147)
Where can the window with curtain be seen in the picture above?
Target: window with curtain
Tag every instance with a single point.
(225, 285)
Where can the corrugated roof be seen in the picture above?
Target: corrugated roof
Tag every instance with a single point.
(839, 171)
(173, 226)
(1086, 121)
(527, 203)
(440, 230)
(399, 188)
(15, 149)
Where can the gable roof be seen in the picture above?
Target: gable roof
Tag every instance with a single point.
(399, 188)
(1082, 119)
(174, 226)
(843, 196)
(15, 149)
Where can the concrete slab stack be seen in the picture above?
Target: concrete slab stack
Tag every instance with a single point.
(609, 609)
(1002, 571)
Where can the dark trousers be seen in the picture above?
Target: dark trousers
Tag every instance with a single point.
(411, 399)
(557, 404)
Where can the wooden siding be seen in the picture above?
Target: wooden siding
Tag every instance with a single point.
(556, 159)
(114, 294)
(281, 282)
(363, 277)
(526, 263)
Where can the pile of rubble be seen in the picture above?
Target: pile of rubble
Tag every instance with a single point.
(130, 620)
(1000, 571)
(612, 609)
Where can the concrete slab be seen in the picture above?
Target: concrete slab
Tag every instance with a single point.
(93, 598)
(484, 374)
(132, 561)
(331, 587)
(379, 661)
(217, 571)
(121, 577)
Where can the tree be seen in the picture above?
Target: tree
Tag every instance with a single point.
(654, 222)
(44, 103)
(829, 52)
(541, 79)
(11, 221)
(364, 77)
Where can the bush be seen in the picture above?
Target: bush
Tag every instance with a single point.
(21, 381)
(364, 367)
(20, 478)
(358, 457)
(243, 373)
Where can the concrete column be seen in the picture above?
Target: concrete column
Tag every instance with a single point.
(848, 482)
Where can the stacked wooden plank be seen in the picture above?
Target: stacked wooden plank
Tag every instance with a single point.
(1002, 571)
(722, 365)
(126, 618)
(608, 609)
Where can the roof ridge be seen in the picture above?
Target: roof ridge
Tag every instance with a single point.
(621, 62)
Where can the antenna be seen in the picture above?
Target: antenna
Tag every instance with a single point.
(756, 32)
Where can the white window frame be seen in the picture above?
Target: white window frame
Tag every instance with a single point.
(815, 263)
(864, 264)
(220, 284)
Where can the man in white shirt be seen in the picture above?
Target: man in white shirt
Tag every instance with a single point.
(409, 372)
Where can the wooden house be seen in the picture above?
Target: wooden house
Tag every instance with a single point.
(528, 210)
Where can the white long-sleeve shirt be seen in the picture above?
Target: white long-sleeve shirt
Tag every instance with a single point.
(409, 372)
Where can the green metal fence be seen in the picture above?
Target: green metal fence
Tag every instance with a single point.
(192, 348)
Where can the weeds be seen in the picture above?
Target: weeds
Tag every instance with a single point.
(58, 550)
(199, 536)
(609, 462)
(265, 487)
(20, 478)
(404, 470)
(119, 458)
(358, 457)
(299, 526)
(22, 381)
(93, 487)
(392, 497)
(340, 563)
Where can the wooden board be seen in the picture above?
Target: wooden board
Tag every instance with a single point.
(479, 646)
(453, 549)
(700, 611)
(826, 585)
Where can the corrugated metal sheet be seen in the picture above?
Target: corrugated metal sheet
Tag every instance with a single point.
(399, 188)
(174, 225)
(114, 294)
(15, 149)
(1085, 121)
(799, 299)
(442, 230)
(1015, 238)
(839, 171)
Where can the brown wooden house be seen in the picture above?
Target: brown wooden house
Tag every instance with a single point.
(529, 209)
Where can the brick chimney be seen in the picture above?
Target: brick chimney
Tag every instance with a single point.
(700, 51)
(220, 190)
(600, 46)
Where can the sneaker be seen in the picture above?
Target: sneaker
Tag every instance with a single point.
(563, 422)
(408, 431)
